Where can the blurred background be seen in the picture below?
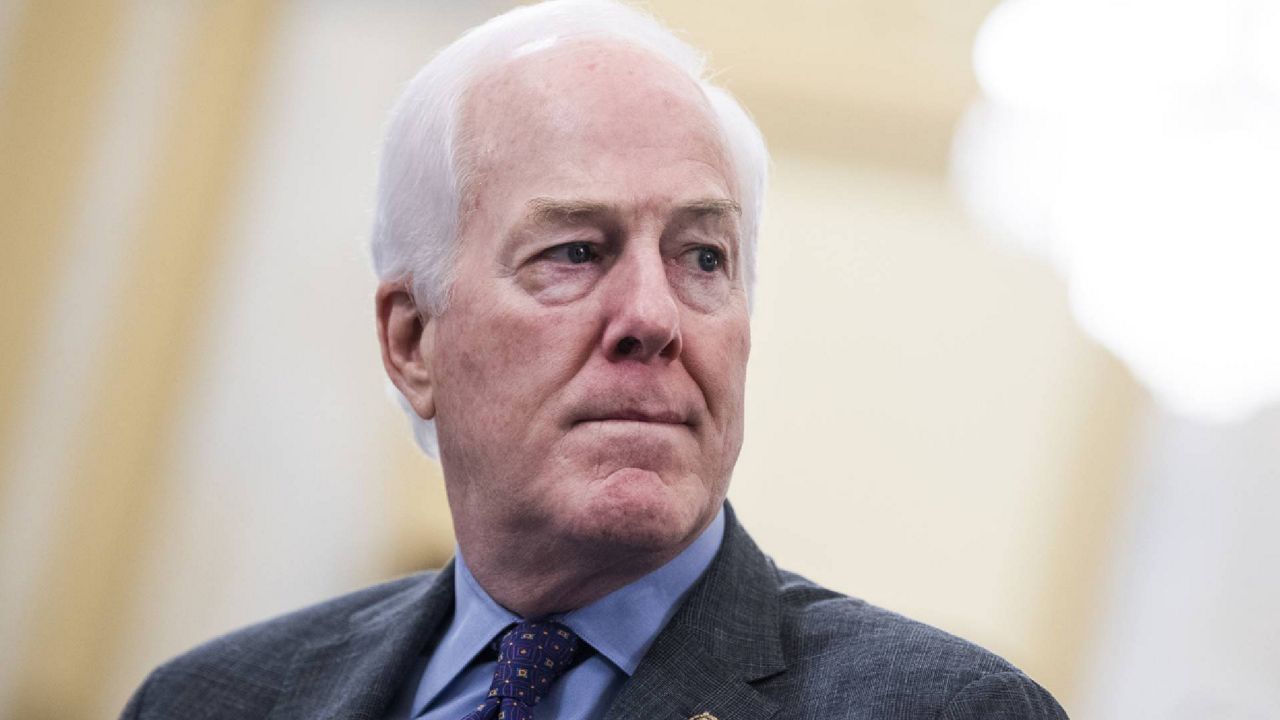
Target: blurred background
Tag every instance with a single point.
(1015, 368)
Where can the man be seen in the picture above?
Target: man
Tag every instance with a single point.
(565, 241)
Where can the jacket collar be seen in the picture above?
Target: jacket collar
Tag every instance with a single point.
(357, 674)
(725, 637)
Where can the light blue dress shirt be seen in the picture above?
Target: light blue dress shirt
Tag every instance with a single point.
(621, 626)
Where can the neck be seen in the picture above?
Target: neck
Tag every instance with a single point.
(583, 572)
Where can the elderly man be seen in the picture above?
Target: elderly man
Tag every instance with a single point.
(565, 243)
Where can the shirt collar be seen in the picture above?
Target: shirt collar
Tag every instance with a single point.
(623, 624)
(620, 626)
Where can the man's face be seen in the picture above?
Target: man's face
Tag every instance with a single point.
(588, 373)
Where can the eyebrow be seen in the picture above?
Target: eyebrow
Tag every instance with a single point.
(544, 210)
(711, 206)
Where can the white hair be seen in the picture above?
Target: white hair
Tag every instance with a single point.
(420, 182)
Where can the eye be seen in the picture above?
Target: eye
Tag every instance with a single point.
(575, 253)
(709, 259)
(579, 253)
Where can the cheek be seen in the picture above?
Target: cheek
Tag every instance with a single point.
(557, 284)
(705, 292)
(500, 368)
(719, 366)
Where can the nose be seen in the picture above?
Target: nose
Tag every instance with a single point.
(644, 317)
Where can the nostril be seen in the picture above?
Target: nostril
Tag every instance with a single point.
(628, 345)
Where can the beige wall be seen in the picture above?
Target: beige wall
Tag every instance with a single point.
(926, 427)
(196, 433)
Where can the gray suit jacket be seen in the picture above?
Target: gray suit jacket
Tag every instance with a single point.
(750, 642)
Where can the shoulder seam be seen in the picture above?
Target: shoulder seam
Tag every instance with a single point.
(1014, 673)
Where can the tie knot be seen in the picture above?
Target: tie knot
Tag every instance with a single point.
(530, 658)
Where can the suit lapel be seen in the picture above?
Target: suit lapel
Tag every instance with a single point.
(724, 638)
(357, 675)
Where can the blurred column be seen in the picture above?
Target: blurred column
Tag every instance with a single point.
(1191, 629)
(287, 452)
(114, 480)
(50, 90)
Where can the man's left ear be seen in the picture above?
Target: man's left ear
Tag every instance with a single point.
(406, 333)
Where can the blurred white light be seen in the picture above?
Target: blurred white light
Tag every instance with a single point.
(1264, 43)
(1173, 262)
(1127, 142)
(1054, 55)
(1007, 172)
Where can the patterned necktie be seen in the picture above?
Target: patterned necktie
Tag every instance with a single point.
(530, 658)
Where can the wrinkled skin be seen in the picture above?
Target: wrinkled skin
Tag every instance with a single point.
(587, 375)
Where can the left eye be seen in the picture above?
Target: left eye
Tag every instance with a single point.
(709, 259)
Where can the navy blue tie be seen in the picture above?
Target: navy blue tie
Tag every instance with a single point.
(531, 656)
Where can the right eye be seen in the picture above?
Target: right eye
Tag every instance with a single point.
(576, 253)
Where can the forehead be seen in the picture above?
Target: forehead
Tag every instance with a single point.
(587, 112)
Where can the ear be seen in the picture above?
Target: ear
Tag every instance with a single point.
(406, 333)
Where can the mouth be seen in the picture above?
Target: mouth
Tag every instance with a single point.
(634, 415)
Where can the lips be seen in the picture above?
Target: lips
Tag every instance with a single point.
(607, 411)
(637, 415)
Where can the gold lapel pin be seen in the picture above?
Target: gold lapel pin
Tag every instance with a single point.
(704, 716)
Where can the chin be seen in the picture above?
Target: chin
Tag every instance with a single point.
(637, 509)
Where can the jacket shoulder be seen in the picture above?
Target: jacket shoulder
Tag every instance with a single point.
(883, 663)
(251, 664)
